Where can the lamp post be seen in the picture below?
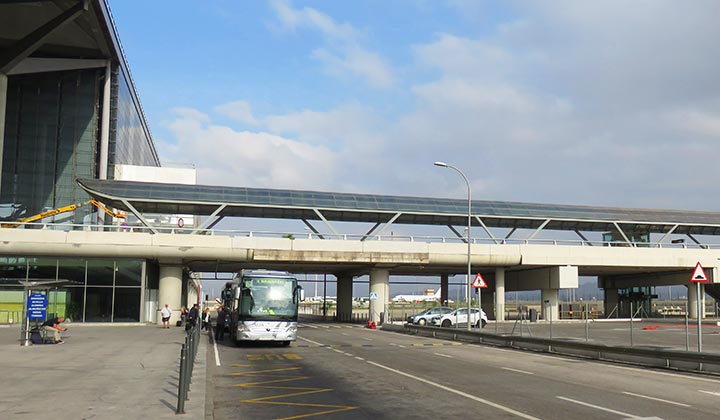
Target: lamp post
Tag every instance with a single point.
(469, 215)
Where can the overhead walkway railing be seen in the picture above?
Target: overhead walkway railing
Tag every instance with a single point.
(584, 242)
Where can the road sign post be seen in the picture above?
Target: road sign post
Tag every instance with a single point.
(698, 277)
(478, 284)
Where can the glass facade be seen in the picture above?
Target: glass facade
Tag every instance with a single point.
(130, 140)
(82, 290)
(50, 140)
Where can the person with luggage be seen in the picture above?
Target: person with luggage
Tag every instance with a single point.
(205, 319)
(192, 317)
(53, 325)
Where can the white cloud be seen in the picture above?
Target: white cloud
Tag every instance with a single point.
(225, 156)
(238, 111)
(343, 55)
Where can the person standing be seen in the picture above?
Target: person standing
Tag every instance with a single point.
(220, 324)
(53, 325)
(205, 318)
(192, 318)
(166, 313)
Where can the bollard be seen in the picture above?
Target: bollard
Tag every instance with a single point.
(181, 383)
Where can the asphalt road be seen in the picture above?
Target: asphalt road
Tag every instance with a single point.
(343, 371)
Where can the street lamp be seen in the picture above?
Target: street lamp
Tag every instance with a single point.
(469, 215)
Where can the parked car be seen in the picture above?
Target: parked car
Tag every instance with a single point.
(459, 316)
(424, 317)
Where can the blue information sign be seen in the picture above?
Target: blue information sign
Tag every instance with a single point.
(37, 306)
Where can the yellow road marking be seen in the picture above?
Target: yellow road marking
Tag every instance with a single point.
(263, 371)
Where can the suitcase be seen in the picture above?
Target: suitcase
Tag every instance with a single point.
(178, 324)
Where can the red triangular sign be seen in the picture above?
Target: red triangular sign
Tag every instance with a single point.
(479, 282)
(698, 275)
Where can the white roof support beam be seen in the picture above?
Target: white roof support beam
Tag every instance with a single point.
(332, 229)
(387, 224)
(540, 228)
(140, 217)
(510, 233)
(369, 232)
(667, 234)
(623, 234)
(487, 231)
(211, 220)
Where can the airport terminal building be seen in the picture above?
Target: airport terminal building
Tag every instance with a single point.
(69, 110)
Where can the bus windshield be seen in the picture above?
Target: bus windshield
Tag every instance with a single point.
(269, 298)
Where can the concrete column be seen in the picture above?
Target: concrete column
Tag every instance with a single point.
(553, 298)
(344, 297)
(3, 111)
(444, 289)
(379, 284)
(170, 291)
(500, 294)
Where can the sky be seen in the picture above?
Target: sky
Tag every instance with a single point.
(610, 103)
(575, 102)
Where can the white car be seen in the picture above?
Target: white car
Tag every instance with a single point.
(459, 316)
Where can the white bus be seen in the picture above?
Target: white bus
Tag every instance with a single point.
(263, 306)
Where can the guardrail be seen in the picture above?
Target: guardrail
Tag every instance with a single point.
(361, 237)
(670, 359)
(188, 351)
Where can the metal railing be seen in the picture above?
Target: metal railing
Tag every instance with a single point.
(188, 351)
(362, 237)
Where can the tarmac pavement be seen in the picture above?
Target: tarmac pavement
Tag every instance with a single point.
(99, 372)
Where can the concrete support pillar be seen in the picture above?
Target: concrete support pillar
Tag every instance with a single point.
(550, 301)
(444, 289)
(3, 111)
(500, 294)
(344, 297)
(694, 300)
(379, 286)
(105, 125)
(170, 291)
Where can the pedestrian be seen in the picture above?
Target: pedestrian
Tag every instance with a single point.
(205, 318)
(192, 318)
(166, 313)
(53, 325)
(220, 324)
(183, 315)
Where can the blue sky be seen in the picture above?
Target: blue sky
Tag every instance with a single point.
(582, 102)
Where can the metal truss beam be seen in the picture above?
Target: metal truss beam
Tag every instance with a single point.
(583, 238)
(623, 234)
(210, 221)
(140, 217)
(387, 224)
(312, 228)
(487, 231)
(462, 237)
(667, 234)
(332, 229)
(539, 229)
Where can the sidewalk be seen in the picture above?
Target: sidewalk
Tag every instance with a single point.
(99, 372)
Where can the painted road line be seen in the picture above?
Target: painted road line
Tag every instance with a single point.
(359, 358)
(655, 399)
(455, 391)
(518, 371)
(367, 338)
(597, 407)
(674, 375)
(443, 355)
(217, 355)
(345, 334)
(717, 394)
(309, 325)
(312, 342)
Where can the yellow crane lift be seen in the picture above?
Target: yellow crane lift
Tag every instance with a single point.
(60, 210)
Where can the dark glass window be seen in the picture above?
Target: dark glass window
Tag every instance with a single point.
(98, 307)
(127, 304)
(128, 273)
(100, 272)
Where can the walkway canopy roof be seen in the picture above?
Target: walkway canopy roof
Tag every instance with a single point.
(203, 200)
